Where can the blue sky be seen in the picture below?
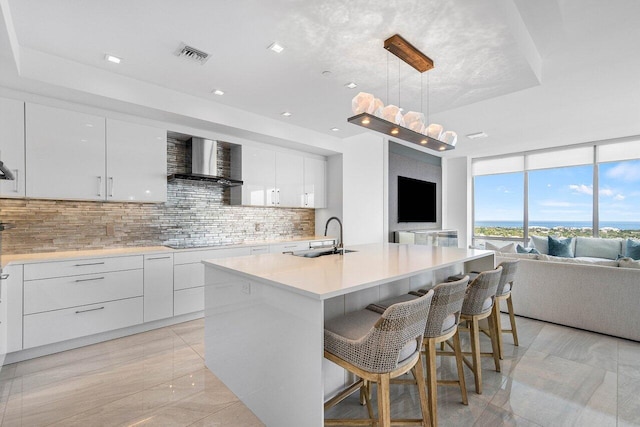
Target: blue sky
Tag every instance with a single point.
(562, 194)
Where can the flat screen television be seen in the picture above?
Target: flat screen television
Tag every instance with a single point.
(416, 200)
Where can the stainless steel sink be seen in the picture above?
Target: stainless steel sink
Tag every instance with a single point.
(315, 253)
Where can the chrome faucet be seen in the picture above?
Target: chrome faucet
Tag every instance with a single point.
(340, 247)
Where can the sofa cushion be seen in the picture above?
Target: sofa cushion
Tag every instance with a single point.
(541, 244)
(562, 247)
(582, 260)
(598, 248)
(519, 256)
(632, 249)
(522, 250)
(627, 262)
(509, 248)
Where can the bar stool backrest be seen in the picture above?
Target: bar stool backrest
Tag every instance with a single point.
(444, 314)
(509, 269)
(481, 292)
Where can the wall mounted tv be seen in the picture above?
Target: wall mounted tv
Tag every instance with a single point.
(416, 200)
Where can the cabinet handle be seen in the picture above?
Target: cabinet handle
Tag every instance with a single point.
(306, 199)
(15, 182)
(278, 196)
(100, 186)
(159, 257)
(91, 309)
(89, 263)
(87, 280)
(273, 197)
(110, 186)
(4, 276)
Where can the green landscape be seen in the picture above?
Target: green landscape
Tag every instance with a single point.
(605, 232)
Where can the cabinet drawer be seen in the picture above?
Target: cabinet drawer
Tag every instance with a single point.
(60, 325)
(289, 247)
(188, 301)
(198, 256)
(64, 292)
(77, 267)
(187, 276)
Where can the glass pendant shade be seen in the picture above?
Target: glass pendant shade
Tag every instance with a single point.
(450, 137)
(361, 103)
(434, 131)
(414, 121)
(391, 113)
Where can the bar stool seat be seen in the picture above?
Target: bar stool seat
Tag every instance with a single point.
(376, 348)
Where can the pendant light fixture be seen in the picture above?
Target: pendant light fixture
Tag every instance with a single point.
(372, 114)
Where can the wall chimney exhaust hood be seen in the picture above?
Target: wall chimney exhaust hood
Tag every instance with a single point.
(205, 165)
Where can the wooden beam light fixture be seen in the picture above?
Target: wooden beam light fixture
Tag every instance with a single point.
(408, 53)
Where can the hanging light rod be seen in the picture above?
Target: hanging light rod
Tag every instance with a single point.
(408, 53)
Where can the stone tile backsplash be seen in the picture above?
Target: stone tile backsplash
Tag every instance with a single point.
(195, 213)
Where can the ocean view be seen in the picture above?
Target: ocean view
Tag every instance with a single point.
(620, 225)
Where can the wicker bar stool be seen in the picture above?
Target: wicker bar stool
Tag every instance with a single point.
(478, 305)
(442, 324)
(505, 286)
(378, 348)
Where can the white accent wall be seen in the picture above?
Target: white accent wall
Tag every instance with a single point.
(364, 189)
(457, 198)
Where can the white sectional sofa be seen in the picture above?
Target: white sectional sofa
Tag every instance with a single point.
(589, 292)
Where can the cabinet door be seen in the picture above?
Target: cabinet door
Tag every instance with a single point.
(258, 175)
(158, 287)
(289, 175)
(136, 162)
(65, 154)
(12, 146)
(12, 299)
(315, 176)
(3, 320)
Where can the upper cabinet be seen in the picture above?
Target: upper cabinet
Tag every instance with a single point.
(274, 178)
(315, 187)
(77, 156)
(12, 146)
(136, 162)
(65, 154)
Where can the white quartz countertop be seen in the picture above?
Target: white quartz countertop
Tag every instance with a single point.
(332, 275)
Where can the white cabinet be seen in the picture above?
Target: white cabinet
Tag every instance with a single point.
(136, 162)
(12, 300)
(12, 146)
(284, 179)
(65, 154)
(289, 180)
(278, 248)
(158, 287)
(258, 176)
(77, 156)
(3, 319)
(69, 299)
(315, 187)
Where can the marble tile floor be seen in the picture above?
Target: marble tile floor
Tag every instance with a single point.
(557, 377)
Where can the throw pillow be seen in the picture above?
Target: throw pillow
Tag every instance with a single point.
(627, 262)
(507, 249)
(633, 249)
(598, 247)
(560, 247)
(522, 250)
(541, 244)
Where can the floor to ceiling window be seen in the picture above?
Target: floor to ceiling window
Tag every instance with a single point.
(586, 191)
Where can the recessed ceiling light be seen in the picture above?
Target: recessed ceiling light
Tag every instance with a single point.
(218, 92)
(335, 129)
(112, 58)
(477, 135)
(275, 47)
(286, 113)
(351, 85)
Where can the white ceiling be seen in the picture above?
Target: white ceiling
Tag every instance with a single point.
(528, 73)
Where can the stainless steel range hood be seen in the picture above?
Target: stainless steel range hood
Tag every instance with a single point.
(205, 167)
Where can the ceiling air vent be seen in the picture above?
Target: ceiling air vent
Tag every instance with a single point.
(192, 54)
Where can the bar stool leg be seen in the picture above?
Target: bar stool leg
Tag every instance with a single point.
(493, 333)
(384, 405)
(432, 381)
(474, 331)
(457, 348)
(512, 319)
(428, 417)
(496, 315)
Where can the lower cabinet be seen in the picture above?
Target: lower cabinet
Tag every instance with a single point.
(158, 287)
(60, 325)
(289, 247)
(188, 300)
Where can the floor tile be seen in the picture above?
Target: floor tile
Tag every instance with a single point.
(628, 401)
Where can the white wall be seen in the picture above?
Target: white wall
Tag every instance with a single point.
(457, 198)
(364, 189)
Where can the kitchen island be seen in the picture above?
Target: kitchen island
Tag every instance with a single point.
(264, 317)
